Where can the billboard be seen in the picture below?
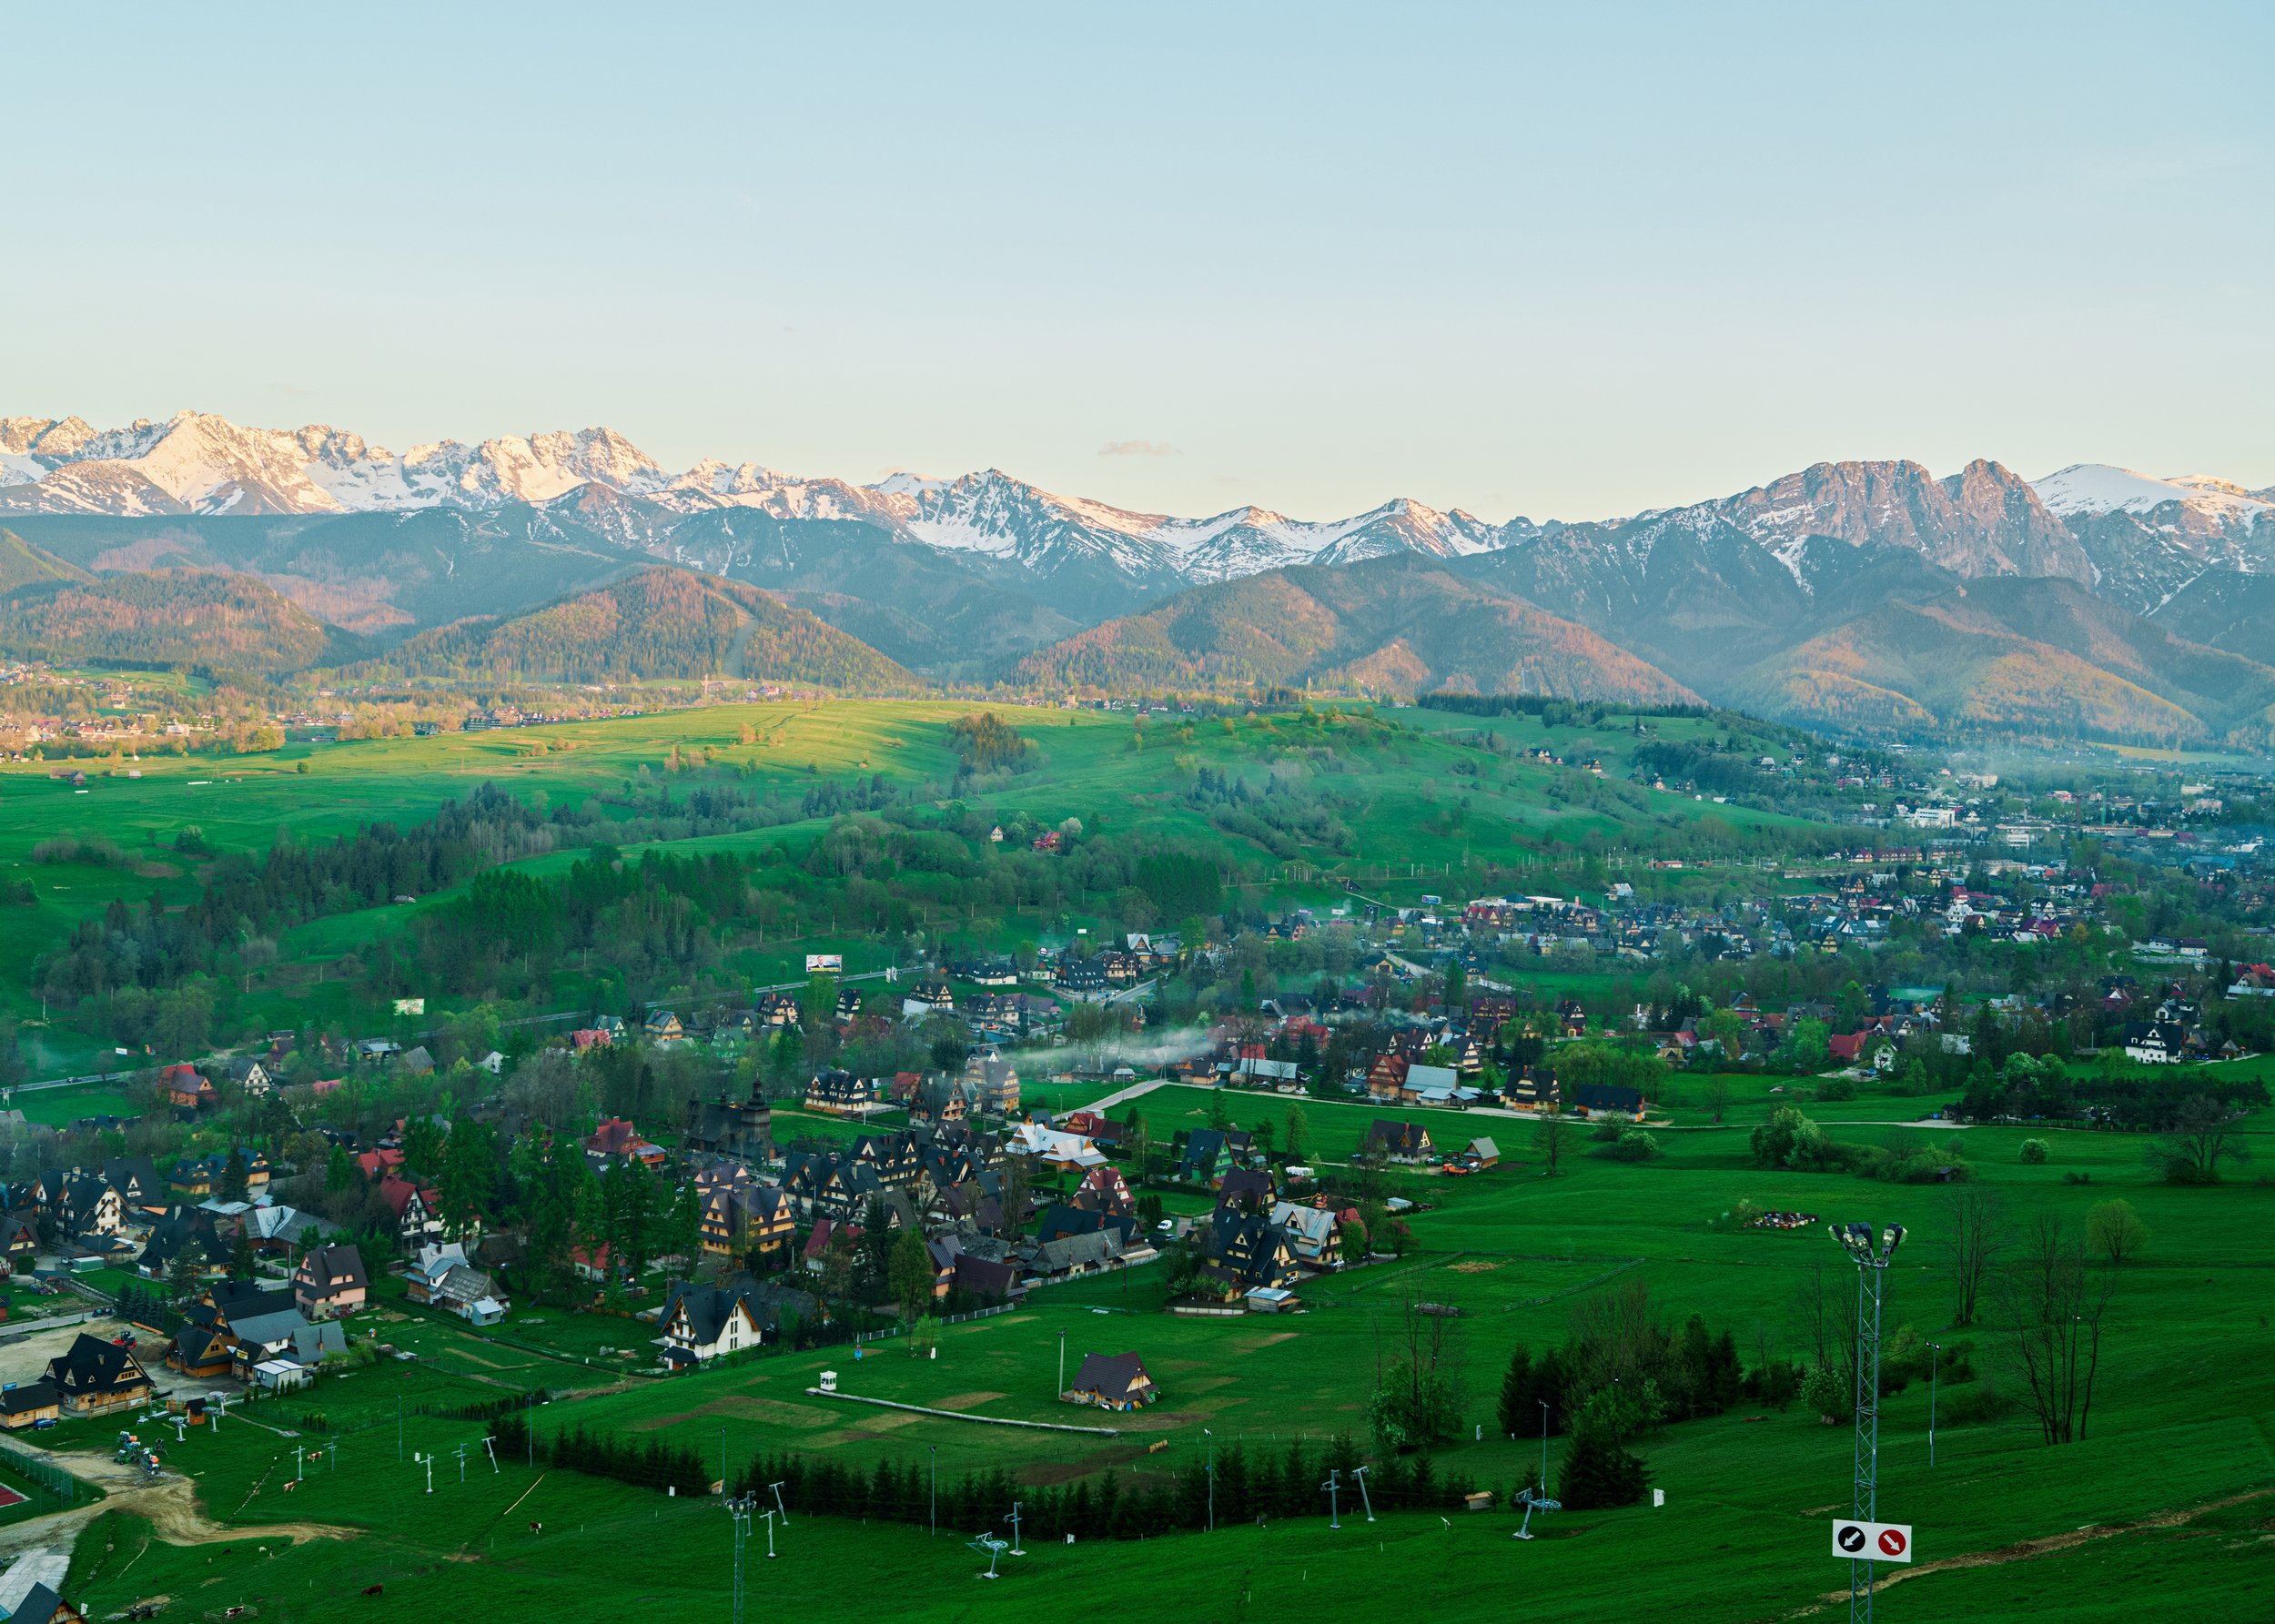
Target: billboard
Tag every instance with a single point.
(410, 1006)
(817, 963)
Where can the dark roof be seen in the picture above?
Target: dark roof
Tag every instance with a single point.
(1060, 1219)
(94, 1366)
(1606, 1096)
(40, 1605)
(28, 1396)
(1245, 1181)
(988, 1279)
(1112, 1375)
(248, 1299)
(325, 1263)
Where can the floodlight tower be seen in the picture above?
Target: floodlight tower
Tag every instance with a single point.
(740, 1511)
(1365, 1498)
(1333, 1486)
(1871, 1259)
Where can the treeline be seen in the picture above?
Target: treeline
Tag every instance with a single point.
(1620, 1373)
(1554, 711)
(1266, 1484)
(2148, 1100)
(245, 901)
(988, 745)
(655, 1464)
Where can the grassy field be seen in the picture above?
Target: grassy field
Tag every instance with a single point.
(1415, 801)
(1741, 1536)
(2179, 1432)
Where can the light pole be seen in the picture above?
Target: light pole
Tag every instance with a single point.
(1544, 1404)
(1365, 1498)
(936, 1488)
(1212, 1478)
(1333, 1486)
(776, 1488)
(1935, 1369)
(1062, 1363)
(1872, 1278)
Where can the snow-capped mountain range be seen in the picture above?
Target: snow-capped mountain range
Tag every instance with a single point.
(1981, 520)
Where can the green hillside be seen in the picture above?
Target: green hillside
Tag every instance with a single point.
(1397, 625)
(167, 616)
(657, 624)
(22, 564)
(1957, 662)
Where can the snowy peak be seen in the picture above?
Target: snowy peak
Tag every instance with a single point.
(2089, 488)
(2089, 522)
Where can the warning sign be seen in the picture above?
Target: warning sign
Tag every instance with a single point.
(1873, 1541)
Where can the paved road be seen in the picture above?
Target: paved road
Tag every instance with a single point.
(1122, 1096)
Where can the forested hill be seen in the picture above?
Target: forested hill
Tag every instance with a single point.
(1395, 625)
(657, 624)
(22, 564)
(166, 616)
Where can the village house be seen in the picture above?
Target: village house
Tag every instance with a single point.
(93, 1377)
(331, 1282)
(1405, 1141)
(709, 1321)
(836, 1093)
(615, 1139)
(1112, 1381)
(186, 1088)
(418, 1213)
(1246, 1251)
(29, 1404)
(443, 1279)
(1315, 1232)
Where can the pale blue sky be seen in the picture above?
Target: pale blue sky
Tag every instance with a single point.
(1566, 261)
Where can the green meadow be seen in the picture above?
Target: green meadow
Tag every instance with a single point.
(2163, 1504)
(1414, 799)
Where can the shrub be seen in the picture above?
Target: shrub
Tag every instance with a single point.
(1826, 1391)
(1915, 1164)
(1977, 1402)
(1837, 1088)
(2034, 1152)
(1790, 1140)
(1632, 1145)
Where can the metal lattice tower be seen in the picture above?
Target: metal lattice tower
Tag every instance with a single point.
(1872, 1279)
(740, 1511)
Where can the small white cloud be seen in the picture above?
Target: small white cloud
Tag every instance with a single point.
(1136, 448)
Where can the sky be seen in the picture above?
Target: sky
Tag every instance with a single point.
(1564, 261)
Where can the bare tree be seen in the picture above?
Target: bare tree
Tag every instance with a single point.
(2050, 1308)
(1613, 1337)
(1975, 1233)
(1551, 1135)
(1811, 1310)
(2203, 1135)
